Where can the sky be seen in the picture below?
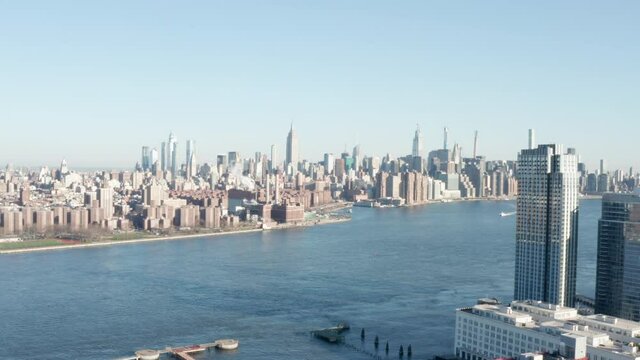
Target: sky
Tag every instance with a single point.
(94, 81)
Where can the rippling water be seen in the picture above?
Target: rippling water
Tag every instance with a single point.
(399, 273)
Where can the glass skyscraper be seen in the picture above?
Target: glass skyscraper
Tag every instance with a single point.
(618, 271)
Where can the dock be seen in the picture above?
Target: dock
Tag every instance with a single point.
(333, 334)
(184, 352)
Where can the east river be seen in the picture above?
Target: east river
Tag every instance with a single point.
(398, 273)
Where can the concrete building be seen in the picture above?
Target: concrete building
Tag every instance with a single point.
(381, 184)
(211, 216)
(490, 331)
(105, 199)
(546, 225)
(603, 183)
(7, 222)
(154, 194)
(467, 190)
(474, 168)
(339, 169)
(187, 216)
(394, 186)
(287, 213)
(618, 270)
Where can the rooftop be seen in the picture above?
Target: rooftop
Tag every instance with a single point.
(601, 331)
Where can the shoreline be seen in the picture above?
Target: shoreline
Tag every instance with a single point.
(447, 201)
(166, 238)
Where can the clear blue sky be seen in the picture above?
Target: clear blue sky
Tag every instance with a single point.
(93, 81)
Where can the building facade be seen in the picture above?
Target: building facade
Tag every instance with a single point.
(618, 270)
(546, 225)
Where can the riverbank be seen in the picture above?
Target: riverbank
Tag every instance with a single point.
(187, 236)
(368, 203)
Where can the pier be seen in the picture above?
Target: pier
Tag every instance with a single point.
(184, 352)
(332, 335)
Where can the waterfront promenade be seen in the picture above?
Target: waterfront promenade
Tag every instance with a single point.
(178, 236)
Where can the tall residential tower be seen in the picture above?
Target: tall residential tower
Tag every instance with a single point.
(547, 225)
(618, 271)
(418, 143)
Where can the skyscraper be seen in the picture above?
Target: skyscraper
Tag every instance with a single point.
(192, 166)
(146, 158)
(546, 225)
(163, 156)
(274, 159)
(475, 144)
(356, 158)
(329, 163)
(418, 143)
(234, 158)
(618, 270)
(191, 148)
(153, 157)
(172, 154)
(532, 139)
(446, 138)
(105, 200)
(292, 149)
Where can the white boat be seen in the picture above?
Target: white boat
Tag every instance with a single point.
(503, 214)
(227, 344)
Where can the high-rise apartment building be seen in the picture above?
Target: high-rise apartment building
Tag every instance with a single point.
(154, 194)
(618, 270)
(105, 200)
(546, 225)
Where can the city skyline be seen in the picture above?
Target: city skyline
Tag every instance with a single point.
(183, 144)
(325, 179)
(73, 71)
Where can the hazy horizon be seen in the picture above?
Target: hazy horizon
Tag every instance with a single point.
(93, 82)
